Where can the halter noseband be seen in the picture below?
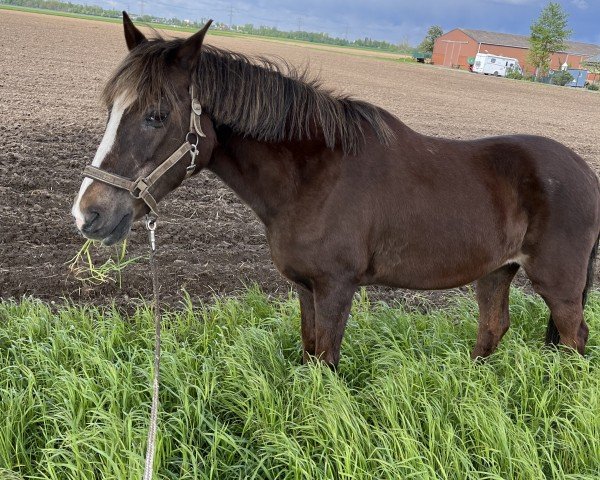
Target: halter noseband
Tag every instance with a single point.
(140, 188)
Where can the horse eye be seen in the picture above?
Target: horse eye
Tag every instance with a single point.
(156, 119)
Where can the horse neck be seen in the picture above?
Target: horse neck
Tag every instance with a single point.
(263, 175)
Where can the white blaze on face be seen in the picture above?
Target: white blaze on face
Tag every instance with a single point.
(114, 119)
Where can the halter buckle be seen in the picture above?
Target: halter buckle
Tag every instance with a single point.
(196, 106)
(138, 188)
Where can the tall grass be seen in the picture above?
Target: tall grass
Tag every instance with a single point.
(407, 402)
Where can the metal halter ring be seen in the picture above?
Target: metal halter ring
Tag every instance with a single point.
(150, 223)
(187, 139)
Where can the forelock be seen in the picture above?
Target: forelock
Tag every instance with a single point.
(146, 73)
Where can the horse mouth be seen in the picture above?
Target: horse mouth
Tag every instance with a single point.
(119, 232)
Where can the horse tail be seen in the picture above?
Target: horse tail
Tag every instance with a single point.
(552, 334)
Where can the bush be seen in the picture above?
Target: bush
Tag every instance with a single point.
(561, 78)
(593, 86)
(515, 74)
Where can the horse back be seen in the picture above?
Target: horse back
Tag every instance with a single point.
(430, 213)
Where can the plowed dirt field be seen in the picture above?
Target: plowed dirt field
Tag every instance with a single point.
(51, 121)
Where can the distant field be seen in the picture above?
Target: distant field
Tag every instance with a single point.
(354, 50)
(406, 403)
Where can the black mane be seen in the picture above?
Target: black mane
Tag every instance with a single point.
(257, 97)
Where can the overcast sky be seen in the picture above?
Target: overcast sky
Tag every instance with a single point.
(390, 20)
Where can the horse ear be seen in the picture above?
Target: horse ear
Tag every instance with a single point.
(190, 49)
(133, 37)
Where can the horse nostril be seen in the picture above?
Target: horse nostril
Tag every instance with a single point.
(91, 221)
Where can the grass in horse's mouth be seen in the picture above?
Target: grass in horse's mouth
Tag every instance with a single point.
(92, 266)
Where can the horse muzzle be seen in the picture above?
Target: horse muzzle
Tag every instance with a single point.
(109, 230)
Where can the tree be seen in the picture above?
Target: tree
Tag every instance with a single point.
(549, 34)
(432, 35)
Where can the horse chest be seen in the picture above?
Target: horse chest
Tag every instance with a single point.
(304, 250)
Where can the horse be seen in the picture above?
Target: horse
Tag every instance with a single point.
(348, 194)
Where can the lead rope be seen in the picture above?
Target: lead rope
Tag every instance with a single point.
(151, 444)
(195, 128)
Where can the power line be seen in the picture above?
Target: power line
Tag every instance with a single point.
(229, 10)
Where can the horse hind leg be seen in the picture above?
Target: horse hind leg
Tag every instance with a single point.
(563, 283)
(570, 328)
(566, 325)
(492, 298)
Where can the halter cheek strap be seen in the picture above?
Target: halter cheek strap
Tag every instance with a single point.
(140, 188)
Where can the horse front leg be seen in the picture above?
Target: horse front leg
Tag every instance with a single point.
(332, 303)
(307, 325)
(492, 298)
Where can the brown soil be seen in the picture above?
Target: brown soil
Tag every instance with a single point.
(51, 74)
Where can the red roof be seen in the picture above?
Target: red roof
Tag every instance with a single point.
(522, 41)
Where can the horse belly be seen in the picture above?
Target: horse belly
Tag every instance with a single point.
(446, 252)
(401, 272)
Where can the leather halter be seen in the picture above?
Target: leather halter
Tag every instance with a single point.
(140, 188)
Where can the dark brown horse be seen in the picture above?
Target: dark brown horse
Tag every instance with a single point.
(348, 194)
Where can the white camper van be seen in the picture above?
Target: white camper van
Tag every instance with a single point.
(489, 64)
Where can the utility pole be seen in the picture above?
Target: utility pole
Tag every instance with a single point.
(299, 24)
(142, 4)
(231, 16)
(346, 32)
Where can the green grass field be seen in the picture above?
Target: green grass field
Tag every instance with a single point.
(407, 403)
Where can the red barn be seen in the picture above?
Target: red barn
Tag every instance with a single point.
(454, 48)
